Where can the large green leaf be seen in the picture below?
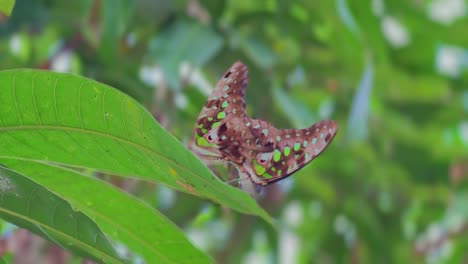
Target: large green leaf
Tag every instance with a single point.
(74, 121)
(29, 205)
(126, 220)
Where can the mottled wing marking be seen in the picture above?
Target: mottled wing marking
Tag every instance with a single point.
(225, 102)
(257, 149)
(293, 149)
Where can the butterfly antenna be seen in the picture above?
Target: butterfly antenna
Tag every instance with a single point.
(233, 180)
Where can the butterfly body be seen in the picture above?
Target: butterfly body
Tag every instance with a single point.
(263, 153)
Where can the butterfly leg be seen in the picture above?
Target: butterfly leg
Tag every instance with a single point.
(247, 185)
(210, 157)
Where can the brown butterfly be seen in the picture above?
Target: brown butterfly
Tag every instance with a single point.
(259, 151)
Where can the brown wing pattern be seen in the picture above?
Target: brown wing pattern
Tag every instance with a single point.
(226, 102)
(259, 150)
(293, 149)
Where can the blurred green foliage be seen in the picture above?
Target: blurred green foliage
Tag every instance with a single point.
(391, 188)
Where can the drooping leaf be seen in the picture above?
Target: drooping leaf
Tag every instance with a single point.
(144, 231)
(74, 121)
(29, 205)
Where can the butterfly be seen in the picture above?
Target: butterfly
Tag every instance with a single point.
(262, 153)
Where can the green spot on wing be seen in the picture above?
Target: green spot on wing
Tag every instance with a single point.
(225, 88)
(314, 140)
(297, 146)
(201, 141)
(287, 151)
(224, 104)
(276, 155)
(221, 115)
(268, 176)
(215, 124)
(258, 168)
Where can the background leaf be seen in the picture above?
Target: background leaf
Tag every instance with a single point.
(6, 6)
(183, 42)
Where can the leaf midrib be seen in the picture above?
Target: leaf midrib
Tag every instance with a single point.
(107, 219)
(99, 133)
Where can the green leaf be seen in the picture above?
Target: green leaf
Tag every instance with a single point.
(259, 53)
(115, 16)
(183, 42)
(357, 121)
(29, 205)
(6, 6)
(74, 121)
(298, 113)
(347, 17)
(253, 6)
(123, 218)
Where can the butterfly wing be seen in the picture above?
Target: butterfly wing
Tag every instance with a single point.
(292, 150)
(258, 150)
(224, 108)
